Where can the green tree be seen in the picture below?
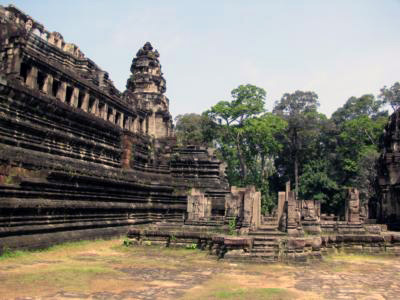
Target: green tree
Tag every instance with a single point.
(358, 126)
(248, 102)
(194, 129)
(299, 109)
(355, 107)
(262, 144)
(391, 95)
(316, 183)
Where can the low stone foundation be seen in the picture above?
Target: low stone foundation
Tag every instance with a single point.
(291, 249)
(171, 238)
(387, 243)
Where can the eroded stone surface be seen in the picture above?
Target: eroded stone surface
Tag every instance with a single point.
(159, 273)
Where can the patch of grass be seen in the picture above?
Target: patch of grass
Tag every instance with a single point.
(73, 277)
(255, 293)
(359, 257)
(229, 285)
(7, 254)
(64, 248)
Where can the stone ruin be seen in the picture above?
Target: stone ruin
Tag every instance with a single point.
(79, 159)
(387, 208)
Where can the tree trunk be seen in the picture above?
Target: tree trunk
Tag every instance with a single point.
(296, 174)
(243, 170)
(296, 165)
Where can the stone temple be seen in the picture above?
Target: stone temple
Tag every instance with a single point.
(79, 159)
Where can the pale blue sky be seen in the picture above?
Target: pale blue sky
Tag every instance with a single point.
(336, 48)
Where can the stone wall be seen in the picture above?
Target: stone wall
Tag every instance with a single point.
(388, 207)
(78, 158)
(244, 204)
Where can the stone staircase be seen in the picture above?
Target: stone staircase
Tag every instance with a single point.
(266, 241)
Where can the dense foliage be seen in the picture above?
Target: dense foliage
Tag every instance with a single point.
(321, 156)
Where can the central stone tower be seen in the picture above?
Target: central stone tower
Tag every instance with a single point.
(146, 87)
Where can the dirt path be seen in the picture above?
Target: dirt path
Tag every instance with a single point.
(108, 270)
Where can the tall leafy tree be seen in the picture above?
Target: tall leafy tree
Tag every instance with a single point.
(391, 95)
(365, 105)
(359, 126)
(262, 144)
(248, 102)
(194, 129)
(299, 109)
(317, 183)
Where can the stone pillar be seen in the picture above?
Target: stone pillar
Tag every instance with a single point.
(232, 203)
(95, 107)
(151, 124)
(103, 114)
(112, 116)
(48, 84)
(121, 120)
(85, 102)
(281, 205)
(13, 64)
(292, 215)
(31, 80)
(252, 208)
(74, 97)
(61, 91)
(127, 159)
(128, 124)
(353, 206)
(146, 125)
(198, 206)
(132, 124)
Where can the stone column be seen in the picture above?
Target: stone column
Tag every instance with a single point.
(48, 84)
(252, 207)
(61, 91)
(146, 121)
(153, 125)
(281, 205)
(112, 116)
(13, 61)
(291, 214)
(132, 124)
(198, 206)
(128, 124)
(85, 103)
(74, 97)
(103, 114)
(353, 206)
(121, 120)
(31, 80)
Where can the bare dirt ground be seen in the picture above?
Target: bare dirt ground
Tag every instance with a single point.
(109, 270)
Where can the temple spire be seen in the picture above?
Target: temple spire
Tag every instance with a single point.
(146, 72)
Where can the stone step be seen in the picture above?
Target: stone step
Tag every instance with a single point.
(267, 227)
(262, 233)
(264, 256)
(266, 252)
(270, 257)
(267, 218)
(254, 259)
(263, 240)
(265, 243)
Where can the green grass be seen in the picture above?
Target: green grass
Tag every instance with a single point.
(7, 253)
(357, 257)
(68, 276)
(255, 293)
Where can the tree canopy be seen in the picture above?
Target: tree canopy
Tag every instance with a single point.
(321, 156)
